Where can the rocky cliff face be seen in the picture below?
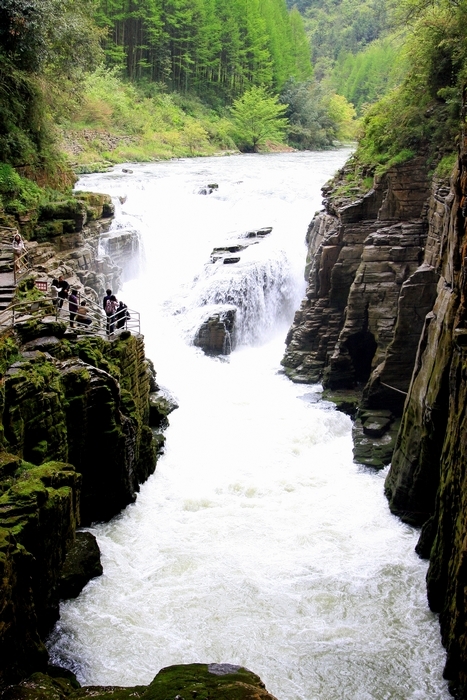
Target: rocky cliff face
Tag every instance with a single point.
(80, 429)
(76, 443)
(385, 313)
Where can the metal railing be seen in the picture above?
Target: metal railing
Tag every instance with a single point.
(94, 323)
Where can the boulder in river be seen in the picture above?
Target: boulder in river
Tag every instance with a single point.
(215, 335)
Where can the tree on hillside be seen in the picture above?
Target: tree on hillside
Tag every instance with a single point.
(258, 117)
(424, 113)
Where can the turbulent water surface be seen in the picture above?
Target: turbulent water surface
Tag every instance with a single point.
(258, 541)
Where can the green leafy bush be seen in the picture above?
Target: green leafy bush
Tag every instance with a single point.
(18, 194)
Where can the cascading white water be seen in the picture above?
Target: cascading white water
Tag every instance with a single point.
(258, 541)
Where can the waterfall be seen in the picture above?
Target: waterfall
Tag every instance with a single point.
(257, 541)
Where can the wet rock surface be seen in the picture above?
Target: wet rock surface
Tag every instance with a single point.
(82, 563)
(216, 335)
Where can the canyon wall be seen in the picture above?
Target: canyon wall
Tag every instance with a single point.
(385, 317)
(80, 429)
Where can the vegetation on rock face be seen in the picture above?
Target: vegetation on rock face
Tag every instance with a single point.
(62, 405)
(43, 46)
(423, 114)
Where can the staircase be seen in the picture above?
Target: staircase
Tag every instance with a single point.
(7, 276)
(7, 293)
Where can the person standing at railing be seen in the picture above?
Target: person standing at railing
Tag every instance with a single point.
(122, 314)
(82, 316)
(111, 310)
(64, 287)
(18, 250)
(73, 306)
(54, 290)
(108, 294)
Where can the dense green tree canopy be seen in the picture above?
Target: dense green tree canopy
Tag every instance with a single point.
(422, 115)
(211, 47)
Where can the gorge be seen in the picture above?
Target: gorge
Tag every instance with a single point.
(258, 542)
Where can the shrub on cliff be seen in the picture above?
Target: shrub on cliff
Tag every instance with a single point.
(423, 114)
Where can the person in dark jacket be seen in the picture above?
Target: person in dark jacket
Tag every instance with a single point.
(111, 310)
(73, 306)
(63, 290)
(122, 314)
(108, 294)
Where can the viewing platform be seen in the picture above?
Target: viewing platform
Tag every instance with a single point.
(47, 310)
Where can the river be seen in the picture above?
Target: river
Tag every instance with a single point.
(257, 541)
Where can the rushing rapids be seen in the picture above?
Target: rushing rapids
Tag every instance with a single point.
(258, 541)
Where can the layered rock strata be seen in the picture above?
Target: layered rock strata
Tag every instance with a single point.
(427, 482)
(216, 334)
(360, 255)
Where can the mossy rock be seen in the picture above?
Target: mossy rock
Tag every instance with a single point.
(32, 328)
(68, 209)
(82, 563)
(47, 230)
(200, 681)
(9, 351)
(9, 465)
(160, 406)
(97, 205)
(346, 400)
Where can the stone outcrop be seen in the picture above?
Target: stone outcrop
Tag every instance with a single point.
(80, 429)
(220, 681)
(216, 335)
(64, 400)
(427, 480)
(84, 401)
(82, 563)
(386, 312)
(63, 238)
(39, 512)
(122, 246)
(360, 255)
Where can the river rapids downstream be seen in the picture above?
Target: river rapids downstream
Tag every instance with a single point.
(257, 541)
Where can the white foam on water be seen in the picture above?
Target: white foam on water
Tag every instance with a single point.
(258, 541)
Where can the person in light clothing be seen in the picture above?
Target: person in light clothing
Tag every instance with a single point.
(18, 249)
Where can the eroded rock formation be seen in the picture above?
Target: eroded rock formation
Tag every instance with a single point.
(216, 335)
(386, 313)
(77, 442)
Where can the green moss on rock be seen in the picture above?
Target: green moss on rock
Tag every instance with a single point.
(200, 681)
